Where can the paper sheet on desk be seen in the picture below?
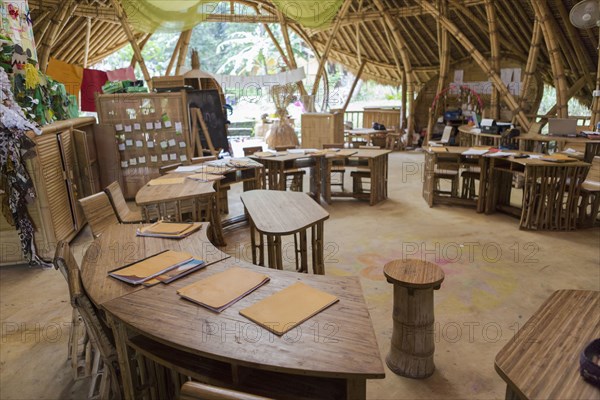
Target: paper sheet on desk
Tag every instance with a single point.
(475, 152)
(188, 168)
(501, 154)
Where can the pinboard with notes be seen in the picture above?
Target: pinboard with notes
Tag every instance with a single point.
(151, 131)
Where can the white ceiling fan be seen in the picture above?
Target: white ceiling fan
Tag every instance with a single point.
(585, 14)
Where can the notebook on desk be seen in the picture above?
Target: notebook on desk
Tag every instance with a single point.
(288, 308)
(562, 127)
(157, 264)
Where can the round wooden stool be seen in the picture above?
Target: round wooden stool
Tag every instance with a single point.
(411, 352)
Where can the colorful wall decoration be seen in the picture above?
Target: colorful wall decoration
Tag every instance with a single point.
(15, 22)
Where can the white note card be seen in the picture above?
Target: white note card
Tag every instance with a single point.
(150, 144)
(172, 142)
(118, 127)
(163, 144)
(149, 125)
(182, 145)
(153, 158)
(183, 157)
(133, 161)
(137, 126)
(122, 146)
(139, 143)
(127, 128)
(168, 123)
(124, 164)
(164, 157)
(172, 156)
(178, 128)
(128, 142)
(142, 160)
(157, 125)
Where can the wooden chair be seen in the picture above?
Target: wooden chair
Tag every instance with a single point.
(125, 214)
(338, 167)
(360, 177)
(294, 177)
(223, 189)
(166, 168)
(248, 151)
(591, 150)
(99, 212)
(447, 168)
(589, 201)
(201, 391)
(105, 381)
(470, 175)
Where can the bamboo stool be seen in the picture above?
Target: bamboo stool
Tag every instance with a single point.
(412, 347)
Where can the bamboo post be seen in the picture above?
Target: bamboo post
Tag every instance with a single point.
(407, 68)
(183, 50)
(404, 99)
(290, 51)
(341, 13)
(142, 44)
(532, 60)
(134, 45)
(542, 12)
(482, 62)
(596, 101)
(277, 45)
(88, 32)
(573, 90)
(174, 55)
(444, 56)
(358, 74)
(490, 11)
(54, 24)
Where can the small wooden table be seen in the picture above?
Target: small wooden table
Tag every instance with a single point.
(539, 143)
(364, 134)
(277, 165)
(412, 348)
(377, 164)
(275, 213)
(173, 194)
(542, 360)
(226, 349)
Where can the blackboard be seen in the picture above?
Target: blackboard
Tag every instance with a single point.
(209, 101)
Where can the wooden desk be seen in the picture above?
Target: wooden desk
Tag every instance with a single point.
(226, 349)
(276, 166)
(469, 137)
(542, 360)
(172, 195)
(364, 134)
(377, 162)
(539, 143)
(276, 213)
(550, 192)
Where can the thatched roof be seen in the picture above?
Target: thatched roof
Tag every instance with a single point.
(390, 36)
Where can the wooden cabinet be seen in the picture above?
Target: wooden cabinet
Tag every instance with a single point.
(322, 128)
(56, 172)
(387, 116)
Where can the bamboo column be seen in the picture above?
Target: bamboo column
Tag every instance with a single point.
(142, 44)
(290, 50)
(54, 24)
(532, 60)
(356, 79)
(183, 50)
(134, 45)
(333, 34)
(444, 56)
(88, 32)
(577, 86)
(174, 55)
(542, 12)
(482, 62)
(596, 101)
(403, 99)
(490, 11)
(407, 68)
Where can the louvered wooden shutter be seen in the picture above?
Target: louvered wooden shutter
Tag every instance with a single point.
(70, 165)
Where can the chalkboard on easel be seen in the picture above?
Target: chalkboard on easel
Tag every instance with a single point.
(209, 102)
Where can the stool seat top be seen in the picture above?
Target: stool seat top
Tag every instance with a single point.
(413, 273)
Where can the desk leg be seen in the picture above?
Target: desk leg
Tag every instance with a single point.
(490, 205)
(215, 222)
(278, 255)
(315, 178)
(303, 251)
(356, 389)
(511, 394)
(253, 241)
(484, 191)
(327, 179)
(271, 251)
(374, 182)
(317, 249)
(120, 334)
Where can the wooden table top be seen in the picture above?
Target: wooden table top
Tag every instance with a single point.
(413, 273)
(521, 161)
(189, 188)
(338, 342)
(549, 138)
(470, 130)
(542, 360)
(282, 212)
(119, 246)
(287, 157)
(368, 153)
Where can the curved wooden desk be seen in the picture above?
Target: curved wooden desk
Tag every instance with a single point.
(276, 213)
(328, 356)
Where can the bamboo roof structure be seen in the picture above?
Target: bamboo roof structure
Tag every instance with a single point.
(390, 41)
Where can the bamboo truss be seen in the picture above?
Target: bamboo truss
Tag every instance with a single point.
(490, 11)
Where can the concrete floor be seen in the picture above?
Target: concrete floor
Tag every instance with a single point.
(496, 277)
